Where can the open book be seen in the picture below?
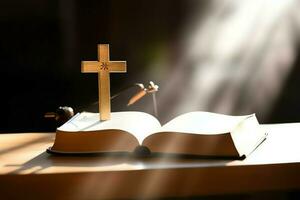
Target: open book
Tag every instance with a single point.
(194, 133)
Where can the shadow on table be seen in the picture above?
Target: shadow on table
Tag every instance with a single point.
(113, 162)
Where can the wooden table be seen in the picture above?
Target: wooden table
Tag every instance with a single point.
(27, 171)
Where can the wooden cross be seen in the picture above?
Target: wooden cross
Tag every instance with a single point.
(103, 66)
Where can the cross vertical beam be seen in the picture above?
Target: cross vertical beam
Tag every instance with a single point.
(103, 67)
(104, 82)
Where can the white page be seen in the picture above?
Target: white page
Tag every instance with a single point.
(203, 123)
(137, 123)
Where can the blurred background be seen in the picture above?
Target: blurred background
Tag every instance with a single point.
(228, 56)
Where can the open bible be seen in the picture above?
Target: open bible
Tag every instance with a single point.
(194, 133)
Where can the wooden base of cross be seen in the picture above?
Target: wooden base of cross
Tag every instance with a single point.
(103, 67)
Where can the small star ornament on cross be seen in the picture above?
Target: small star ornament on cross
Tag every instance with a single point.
(103, 67)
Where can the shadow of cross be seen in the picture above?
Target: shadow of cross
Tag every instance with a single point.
(103, 66)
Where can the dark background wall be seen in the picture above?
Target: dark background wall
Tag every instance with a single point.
(43, 41)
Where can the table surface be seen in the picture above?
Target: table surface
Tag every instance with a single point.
(274, 165)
